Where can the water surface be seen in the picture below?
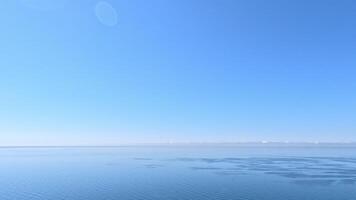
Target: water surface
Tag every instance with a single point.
(155, 173)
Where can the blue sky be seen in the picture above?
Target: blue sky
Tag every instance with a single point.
(122, 71)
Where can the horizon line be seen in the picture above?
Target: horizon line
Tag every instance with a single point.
(197, 144)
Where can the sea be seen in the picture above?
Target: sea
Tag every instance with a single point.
(178, 173)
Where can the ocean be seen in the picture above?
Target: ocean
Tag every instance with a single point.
(178, 173)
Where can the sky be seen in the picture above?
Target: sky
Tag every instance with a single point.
(135, 71)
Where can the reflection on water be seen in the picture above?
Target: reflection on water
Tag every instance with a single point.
(177, 173)
(312, 170)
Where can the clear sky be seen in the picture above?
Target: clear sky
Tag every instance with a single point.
(117, 71)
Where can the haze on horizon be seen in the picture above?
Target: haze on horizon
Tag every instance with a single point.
(113, 72)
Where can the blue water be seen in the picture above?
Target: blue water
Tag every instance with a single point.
(162, 173)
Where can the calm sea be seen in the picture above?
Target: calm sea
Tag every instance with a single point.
(181, 173)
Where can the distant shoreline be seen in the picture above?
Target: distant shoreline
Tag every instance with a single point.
(207, 144)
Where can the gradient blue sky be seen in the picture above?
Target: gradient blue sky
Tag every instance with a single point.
(85, 72)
